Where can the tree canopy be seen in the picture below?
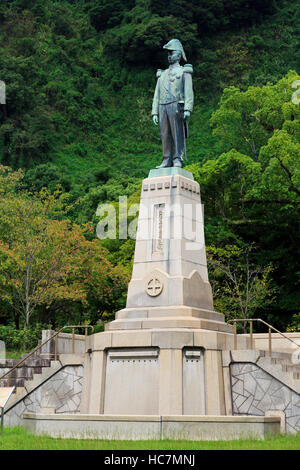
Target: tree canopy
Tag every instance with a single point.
(76, 131)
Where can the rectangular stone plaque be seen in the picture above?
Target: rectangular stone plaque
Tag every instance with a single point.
(158, 221)
(193, 382)
(131, 385)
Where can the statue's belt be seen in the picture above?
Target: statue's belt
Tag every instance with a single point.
(174, 100)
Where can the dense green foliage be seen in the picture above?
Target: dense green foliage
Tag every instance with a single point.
(80, 77)
(21, 339)
(252, 190)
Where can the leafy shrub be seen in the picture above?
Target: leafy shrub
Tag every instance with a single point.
(22, 339)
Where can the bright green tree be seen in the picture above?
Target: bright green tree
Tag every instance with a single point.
(251, 192)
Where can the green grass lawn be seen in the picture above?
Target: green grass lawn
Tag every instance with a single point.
(19, 439)
(15, 354)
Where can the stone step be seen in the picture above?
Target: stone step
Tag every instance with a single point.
(16, 381)
(290, 368)
(285, 361)
(25, 372)
(38, 362)
(36, 354)
(281, 356)
(284, 373)
(46, 373)
(282, 362)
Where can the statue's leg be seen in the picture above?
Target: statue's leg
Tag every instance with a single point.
(165, 134)
(178, 137)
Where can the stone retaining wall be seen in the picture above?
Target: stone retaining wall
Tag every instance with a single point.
(255, 393)
(60, 394)
(153, 427)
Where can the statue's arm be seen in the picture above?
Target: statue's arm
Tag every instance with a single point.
(188, 89)
(155, 104)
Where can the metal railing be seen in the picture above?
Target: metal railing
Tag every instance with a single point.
(270, 328)
(39, 346)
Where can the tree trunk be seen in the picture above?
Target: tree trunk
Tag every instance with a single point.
(17, 321)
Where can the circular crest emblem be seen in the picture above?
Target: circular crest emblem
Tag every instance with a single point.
(154, 286)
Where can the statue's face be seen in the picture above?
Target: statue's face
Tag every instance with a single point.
(174, 56)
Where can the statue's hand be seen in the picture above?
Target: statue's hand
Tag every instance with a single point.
(186, 115)
(155, 119)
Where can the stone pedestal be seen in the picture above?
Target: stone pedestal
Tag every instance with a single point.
(168, 371)
(162, 354)
(169, 285)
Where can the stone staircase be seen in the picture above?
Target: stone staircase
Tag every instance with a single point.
(40, 360)
(30, 368)
(265, 385)
(54, 387)
(287, 364)
(280, 365)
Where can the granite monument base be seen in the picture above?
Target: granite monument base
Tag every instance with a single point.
(174, 371)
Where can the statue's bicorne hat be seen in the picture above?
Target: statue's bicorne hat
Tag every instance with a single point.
(175, 45)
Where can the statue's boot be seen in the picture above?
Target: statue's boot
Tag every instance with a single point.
(177, 162)
(166, 163)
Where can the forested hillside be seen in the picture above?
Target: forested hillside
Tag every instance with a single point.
(80, 77)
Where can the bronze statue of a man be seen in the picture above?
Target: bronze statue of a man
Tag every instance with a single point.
(172, 104)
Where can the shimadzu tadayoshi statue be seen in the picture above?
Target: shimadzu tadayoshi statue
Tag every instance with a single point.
(172, 105)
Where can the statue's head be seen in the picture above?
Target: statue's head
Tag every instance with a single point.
(175, 51)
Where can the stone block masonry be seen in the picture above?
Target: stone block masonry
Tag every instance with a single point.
(153, 427)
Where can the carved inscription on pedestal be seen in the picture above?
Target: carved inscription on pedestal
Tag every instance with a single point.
(158, 215)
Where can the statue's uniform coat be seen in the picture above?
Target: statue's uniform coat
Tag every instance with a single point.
(173, 95)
